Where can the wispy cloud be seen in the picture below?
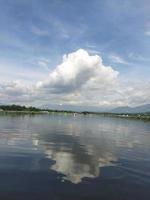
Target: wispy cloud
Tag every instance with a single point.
(117, 59)
(92, 51)
(147, 32)
(39, 31)
(138, 57)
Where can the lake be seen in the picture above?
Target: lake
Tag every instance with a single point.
(63, 157)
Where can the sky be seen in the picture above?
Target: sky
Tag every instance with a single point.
(84, 53)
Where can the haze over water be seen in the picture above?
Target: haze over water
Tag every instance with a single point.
(66, 157)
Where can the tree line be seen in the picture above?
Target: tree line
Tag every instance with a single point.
(18, 108)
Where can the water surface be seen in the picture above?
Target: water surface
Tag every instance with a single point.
(66, 157)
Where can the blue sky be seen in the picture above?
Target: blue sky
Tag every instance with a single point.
(35, 34)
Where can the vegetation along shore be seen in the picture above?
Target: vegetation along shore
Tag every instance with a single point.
(16, 109)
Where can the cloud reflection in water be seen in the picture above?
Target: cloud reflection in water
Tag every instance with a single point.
(76, 147)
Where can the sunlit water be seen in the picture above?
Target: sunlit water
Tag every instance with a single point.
(66, 157)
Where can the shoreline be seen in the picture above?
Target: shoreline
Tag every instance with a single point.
(135, 116)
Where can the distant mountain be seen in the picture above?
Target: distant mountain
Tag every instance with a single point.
(127, 109)
(76, 108)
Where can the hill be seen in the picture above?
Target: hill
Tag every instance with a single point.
(138, 109)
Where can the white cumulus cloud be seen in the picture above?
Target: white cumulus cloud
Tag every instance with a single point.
(79, 70)
(81, 79)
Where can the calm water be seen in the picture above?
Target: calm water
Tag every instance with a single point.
(65, 157)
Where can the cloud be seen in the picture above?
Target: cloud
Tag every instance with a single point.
(79, 70)
(81, 79)
(147, 33)
(135, 93)
(14, 91)
(38, 31)
(117, 59)
(44, 63)
(14, 88)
